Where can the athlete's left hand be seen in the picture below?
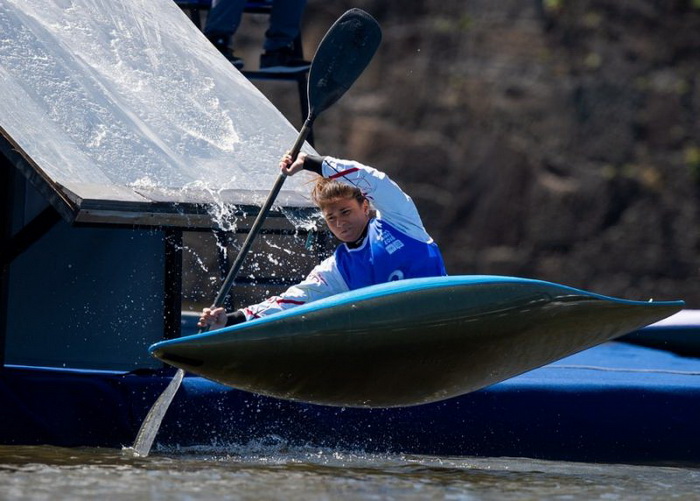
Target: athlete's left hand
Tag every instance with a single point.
(289, 167)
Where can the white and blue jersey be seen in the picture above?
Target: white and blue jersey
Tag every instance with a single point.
(395, 245)
(387, 254)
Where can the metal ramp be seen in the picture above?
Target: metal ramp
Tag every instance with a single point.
(127, 114)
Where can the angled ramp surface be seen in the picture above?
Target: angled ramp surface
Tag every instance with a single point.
(410, 342)
(123, 110)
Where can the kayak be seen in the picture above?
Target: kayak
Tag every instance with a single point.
(409, 342)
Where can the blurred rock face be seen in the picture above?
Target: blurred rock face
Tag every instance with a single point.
(548, 139)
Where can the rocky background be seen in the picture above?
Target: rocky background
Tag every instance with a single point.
(552, 139)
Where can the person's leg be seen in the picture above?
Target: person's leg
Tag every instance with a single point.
(284, 28)
(224, 18)
(222, 22)
(285, 24)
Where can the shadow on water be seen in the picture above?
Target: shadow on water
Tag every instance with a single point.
(271, 470)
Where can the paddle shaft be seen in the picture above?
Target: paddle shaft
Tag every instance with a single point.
(342, 55)
(260, 219)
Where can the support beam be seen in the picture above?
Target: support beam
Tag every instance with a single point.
(15, 245)
(7, 174)
(172, 304)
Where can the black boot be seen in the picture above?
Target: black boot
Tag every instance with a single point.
(222, 44)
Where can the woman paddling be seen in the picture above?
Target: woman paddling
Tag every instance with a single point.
(380, 243)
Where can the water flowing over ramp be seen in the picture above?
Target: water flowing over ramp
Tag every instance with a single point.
(123, 112)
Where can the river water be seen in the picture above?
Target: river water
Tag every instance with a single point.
(263, 471)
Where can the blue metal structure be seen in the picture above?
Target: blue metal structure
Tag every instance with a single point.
(614, 403)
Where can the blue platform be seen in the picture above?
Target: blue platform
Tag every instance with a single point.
(616, 402)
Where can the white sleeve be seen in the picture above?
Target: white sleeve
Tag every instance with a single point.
(324, 280)
(391, 203)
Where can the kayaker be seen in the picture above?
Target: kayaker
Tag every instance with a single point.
(381, 233)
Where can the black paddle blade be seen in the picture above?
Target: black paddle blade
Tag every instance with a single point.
(343, 54)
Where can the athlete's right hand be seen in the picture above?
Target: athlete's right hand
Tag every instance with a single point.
(213, 318)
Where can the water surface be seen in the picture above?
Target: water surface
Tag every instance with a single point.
(273, 471)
